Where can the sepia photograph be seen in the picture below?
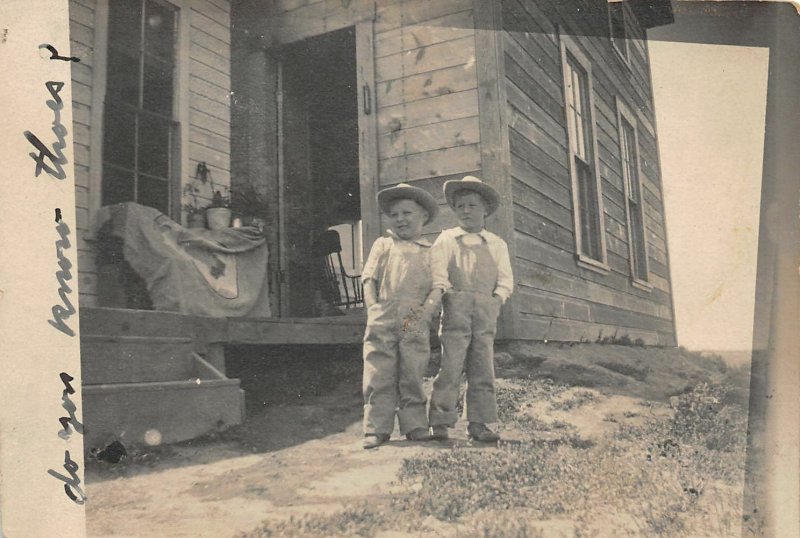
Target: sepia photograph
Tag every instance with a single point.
(456, 268)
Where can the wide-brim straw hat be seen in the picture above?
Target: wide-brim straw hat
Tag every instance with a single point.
(471, 183)
(404, 191)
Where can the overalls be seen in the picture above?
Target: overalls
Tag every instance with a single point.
(469, 325)
(397, 342)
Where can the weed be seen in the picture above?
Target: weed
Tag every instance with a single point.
(363, 520)
(616, 340)
(578, 399)
(639, 374)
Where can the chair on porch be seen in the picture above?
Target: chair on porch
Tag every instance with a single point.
(338, 287)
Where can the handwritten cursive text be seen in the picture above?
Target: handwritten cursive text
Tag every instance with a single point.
(56, 156)
(62, 312)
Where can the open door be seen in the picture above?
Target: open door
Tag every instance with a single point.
(328, 160)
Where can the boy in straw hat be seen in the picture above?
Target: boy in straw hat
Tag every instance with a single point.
(397, 282)
(471, 267)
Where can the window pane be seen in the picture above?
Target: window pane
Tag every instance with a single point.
(625, 156)
(639, 245)
(123, 77)
(587, 198)
(154, 193)
(616, 21)
(157, 86)
(154, 146)
(578, 103)
(117, 185)
(119, 140)
(633, 172)
(159, 31)
(125, 24)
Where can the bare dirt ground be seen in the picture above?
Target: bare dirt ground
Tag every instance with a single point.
(299, 451)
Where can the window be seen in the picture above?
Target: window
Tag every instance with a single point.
(618, 31)
(632, 187)
(139, 132)
(586, 194)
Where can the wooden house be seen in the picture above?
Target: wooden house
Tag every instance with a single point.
(550, 102)
(318, 104)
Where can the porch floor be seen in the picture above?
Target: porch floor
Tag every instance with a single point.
(343, 329)
(346, 329)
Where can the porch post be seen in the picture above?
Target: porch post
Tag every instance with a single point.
(493, 121)
(367, 134)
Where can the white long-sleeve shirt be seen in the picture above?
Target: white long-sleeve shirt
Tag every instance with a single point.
(446, 246)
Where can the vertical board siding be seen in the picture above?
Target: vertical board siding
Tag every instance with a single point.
(560, 299)
(209, 104)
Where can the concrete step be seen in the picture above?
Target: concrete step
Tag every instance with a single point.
(157, 413)
(135, 359)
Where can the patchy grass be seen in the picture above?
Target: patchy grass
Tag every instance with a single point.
(577, 399)
(672, 464)
(672, 477)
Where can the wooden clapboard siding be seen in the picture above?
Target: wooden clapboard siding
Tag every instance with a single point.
(444, 134)
(440, 162)
(81, 23)
(427, 111)
(554, 290)
(559, 329)
(446, 81)
(426, 96)
(209, 90)
(541, 276)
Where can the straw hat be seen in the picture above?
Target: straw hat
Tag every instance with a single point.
(404, 191)
(471, 183)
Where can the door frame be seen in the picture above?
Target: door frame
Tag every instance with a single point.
(367, 156)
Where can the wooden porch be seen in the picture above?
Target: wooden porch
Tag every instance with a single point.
(347, 328)
(136, 363)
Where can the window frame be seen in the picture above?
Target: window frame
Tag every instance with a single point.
(624, 115)
(570, 48)
(622, 50)
(180, 107)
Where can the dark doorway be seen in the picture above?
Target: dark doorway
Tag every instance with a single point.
(320, 159)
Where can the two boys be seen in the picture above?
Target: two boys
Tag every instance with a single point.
(405, 279)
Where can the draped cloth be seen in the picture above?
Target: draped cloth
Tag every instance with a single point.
(220, 273)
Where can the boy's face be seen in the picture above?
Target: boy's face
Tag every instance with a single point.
(470, 209)
(406, 218)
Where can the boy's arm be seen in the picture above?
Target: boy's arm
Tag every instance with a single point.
(370, 293)
(432, 303)
(368, 281)
(505, 278)
(440, 258)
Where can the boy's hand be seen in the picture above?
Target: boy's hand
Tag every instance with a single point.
(415, 321)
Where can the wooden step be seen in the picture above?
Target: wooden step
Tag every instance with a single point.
(157, 413)
(127, 322)
(135, 359)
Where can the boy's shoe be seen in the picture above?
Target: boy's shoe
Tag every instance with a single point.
(374, 440)
(439, 433)
(479, 432)
(419, 434)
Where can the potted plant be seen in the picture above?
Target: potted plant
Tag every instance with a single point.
(250, 205)
(195, 215)
(218, 213)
